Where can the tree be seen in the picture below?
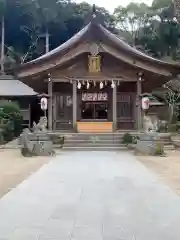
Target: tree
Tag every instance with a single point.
(177, 9)
(170, 94)
(132, 19)
(2, 13)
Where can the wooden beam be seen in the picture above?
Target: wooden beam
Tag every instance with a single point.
(75, 105)
(139, 112)
(68, 79)
(114, 102)
(50, 104)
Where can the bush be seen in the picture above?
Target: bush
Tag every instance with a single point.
(11, 120)
(159, 149)
(127, 138)
(1, 137)
(174, 127)
(58, 140)
(135, 139)
(130, 139)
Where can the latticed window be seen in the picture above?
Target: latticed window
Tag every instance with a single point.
(124, 106)
(94, 64)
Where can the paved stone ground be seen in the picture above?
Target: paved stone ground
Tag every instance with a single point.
(91, 196)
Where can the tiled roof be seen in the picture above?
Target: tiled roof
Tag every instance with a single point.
(12, 87)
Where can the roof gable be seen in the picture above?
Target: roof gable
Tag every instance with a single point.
(95, 31)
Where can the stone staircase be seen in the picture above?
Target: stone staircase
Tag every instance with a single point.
(94, 141)
(103, 141)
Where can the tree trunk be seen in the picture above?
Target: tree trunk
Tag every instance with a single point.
(2, 44)
(177, 9)
(47, 40)
(171, 114)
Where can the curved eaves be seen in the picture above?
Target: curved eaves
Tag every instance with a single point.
(72, 41)
(126, 47)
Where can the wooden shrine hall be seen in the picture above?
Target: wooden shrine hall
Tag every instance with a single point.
(94, 81)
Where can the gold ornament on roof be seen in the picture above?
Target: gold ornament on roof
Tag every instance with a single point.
(94, 64)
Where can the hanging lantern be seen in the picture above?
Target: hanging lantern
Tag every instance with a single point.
(94, 83)
(44, 104)
(101, 85)
(106, 83)
(118, 83)
(79, 85)
(145, 103)
(88, 85)
(112, 84)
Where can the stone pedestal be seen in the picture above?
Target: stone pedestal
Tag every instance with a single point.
(150, 144)
(37, 142)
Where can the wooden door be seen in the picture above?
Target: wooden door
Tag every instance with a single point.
(125, 110)
(62, 112)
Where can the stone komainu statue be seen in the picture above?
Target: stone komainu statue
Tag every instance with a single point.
(41, 126)
(177, 9)
(37, 142)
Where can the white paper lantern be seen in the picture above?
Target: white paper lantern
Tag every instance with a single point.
(145, 103)
(101, 85)
(113, 84)
(79, 85)
(44, 103)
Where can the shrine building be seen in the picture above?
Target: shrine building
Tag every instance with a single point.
(94, 81)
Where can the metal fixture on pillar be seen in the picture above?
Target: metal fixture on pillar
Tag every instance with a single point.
(140, 76)
(94, 83)
(118, 83)
(88, 85)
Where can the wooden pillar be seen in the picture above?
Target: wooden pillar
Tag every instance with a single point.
(139, 112)
(114, 102)
(50, 104)
(75, 105)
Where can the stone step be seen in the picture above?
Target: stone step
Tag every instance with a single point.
(104, 141)
(94, 145)
(82, 137)
(94, 148)
(169, 147)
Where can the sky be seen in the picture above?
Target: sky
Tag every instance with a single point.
(111, 4)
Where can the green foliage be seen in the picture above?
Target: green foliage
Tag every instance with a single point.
(11, 120)
(129, 139)
(135, 139)
(26, 22)
(58, 140)
(174, 128)
(151, 29)
(159, 149)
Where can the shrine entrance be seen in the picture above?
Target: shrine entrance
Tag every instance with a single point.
(94, 106)
(94, 111)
